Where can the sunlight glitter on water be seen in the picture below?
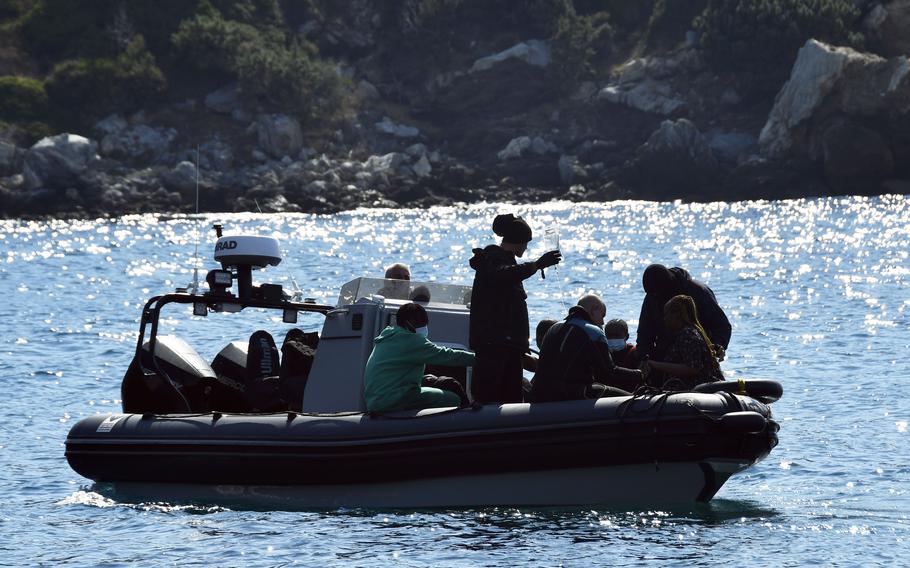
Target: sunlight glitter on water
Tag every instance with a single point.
(817, 292)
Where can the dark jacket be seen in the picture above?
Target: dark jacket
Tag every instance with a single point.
(499, 312)
(574, 356)
(653, 337)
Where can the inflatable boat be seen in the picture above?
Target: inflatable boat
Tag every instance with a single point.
(241, 425)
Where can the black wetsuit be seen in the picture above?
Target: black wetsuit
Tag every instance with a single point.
(499, 324)
(575, 363)
(653, 337)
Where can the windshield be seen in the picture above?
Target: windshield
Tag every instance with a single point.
(429, 292)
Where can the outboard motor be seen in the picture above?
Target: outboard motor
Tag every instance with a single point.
(183, 385)
(229, 389)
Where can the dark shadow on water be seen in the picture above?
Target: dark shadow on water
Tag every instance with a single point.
(189, 499)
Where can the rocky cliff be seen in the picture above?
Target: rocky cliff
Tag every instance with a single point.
(488, 112)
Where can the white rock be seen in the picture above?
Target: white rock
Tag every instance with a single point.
(533, 52)
(857, 83)
(515, 148)
(422, 167)
(647, 96)
(386, 126)
(56, 161)
(416, 150)
(382, 164)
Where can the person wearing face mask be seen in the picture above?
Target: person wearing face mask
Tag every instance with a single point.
(690, 358)
(575, 361)
(394, 376)
(623, 352)
(499, 329)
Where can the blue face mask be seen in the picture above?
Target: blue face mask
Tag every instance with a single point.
(616, 344)
(424, 331)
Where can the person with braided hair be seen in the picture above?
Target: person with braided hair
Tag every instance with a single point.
(690, 359)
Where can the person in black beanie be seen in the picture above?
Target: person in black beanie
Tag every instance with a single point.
(661, 284)
(499, 312)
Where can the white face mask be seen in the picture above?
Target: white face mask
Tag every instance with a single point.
(616, 344)
(424, 331)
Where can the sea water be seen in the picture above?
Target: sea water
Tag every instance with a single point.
(817, 290)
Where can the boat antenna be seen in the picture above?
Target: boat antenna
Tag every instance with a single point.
(195, 285)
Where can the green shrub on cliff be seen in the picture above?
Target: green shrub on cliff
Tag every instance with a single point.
(578, 41)
(22, 99)
(88, 88)
(764, 35)
(52, 29)
(284, 74)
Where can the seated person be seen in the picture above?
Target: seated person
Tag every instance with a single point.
(394, 375)
(575, 360)
(398, 288)
(530, 361)
(690, 359)
(420, 294)
(621, 350)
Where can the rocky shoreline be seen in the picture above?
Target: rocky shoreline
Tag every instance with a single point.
(661, 128)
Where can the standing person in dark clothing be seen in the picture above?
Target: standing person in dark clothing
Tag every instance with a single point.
(575, 360)
(499, 312)
(661, 284)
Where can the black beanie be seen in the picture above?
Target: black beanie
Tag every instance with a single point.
(658, 279)
(512, 229)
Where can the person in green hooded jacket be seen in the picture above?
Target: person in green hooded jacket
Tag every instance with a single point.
(394, 376)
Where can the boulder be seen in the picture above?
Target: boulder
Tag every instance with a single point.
(533, 52)
(386, 126)
(888, 24)
(523, 145)
(111, 124)
(223, 101)
(11, 157)
(137, 142)
(384, 164)
(855, 157)
(279, 135)
(416, 150)
(182, 178)
(827, 81)
(422, 167)
(58, 161)
(367, 90)
(677, 157)
(647, 96)
(731, 146)
(658, 67)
